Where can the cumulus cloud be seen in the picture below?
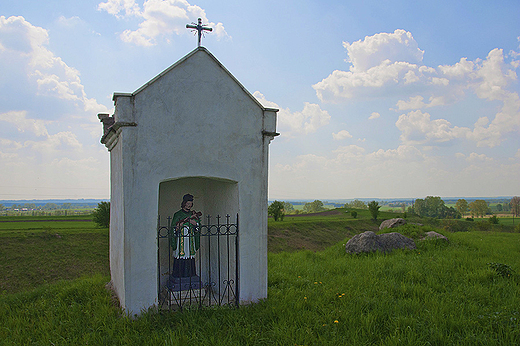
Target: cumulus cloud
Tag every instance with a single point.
(374, 115)
(341, 135)
(27, 44)
(375, 50)
(354, 171)
(390, 65)
(159, 18)
(418, 128)
(22, 123)
(290, 124)
(381, 60)
(45, 116)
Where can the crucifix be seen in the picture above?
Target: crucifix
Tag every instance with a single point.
(199, 27)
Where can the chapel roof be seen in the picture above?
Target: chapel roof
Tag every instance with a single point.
(187, 57)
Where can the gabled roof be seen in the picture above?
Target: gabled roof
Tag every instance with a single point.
(186, 57)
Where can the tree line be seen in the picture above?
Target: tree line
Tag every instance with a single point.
(33, 206)
(431, 206)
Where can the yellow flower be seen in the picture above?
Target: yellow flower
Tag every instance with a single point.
(305, 298)
(315, 282)
(336, 321)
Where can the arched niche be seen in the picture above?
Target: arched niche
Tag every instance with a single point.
(213, 197)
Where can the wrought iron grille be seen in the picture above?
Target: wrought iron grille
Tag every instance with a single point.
(216, 266)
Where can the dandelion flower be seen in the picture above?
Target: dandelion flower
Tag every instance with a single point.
(336, 321)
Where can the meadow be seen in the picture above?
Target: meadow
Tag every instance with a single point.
(465, 292)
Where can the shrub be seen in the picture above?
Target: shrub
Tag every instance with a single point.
(353, 213)
(101, 215)
(451, 225)
(481, 226)
(493, 220)
(501, 269)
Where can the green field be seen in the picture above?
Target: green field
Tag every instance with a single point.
(53, 290)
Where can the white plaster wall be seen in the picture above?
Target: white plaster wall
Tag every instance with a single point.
(117, 225)
(194, 121)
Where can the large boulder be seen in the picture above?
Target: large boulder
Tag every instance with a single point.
(392, 223)
(371, 242)
(432, 235)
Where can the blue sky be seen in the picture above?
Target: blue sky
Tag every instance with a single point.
(377, 99)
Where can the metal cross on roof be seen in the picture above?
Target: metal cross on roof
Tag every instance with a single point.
(199, 28)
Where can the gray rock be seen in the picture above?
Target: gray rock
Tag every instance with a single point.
(392, 223)
(434, 235)
(371, 242)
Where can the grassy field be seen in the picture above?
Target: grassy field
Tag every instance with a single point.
(439, 294)
(44, 250)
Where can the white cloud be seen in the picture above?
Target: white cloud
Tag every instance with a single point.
(160, 18)
(27, 45)
(290, 124)
(114, 7)
(46, 118)
(402, 153)
(374, 50)
(418, 128)
(387, 65)
(380, 61)
(374, 115)
(22, 124)
(474, 157)
(351, 171)
(341, 135)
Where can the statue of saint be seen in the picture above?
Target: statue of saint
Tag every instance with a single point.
(184, 241)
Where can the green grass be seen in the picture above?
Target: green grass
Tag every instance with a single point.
(33, 256)
(440, 294)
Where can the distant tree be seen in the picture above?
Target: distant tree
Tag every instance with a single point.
(462, 206)
(50, 206)
(515, 205)
(288, 208)
(452, 213)
(436, 207)
(29, 206)
(500, 207)
(66, 206)
(356, 204)
(419, 207)
(478, 207)
(373, 207)
(101, 215)
(276, 210)
(313, 207)
(1, 207)
(430, 207)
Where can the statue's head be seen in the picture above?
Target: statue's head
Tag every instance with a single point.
(187, 202)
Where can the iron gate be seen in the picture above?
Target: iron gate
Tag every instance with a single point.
(216, 266)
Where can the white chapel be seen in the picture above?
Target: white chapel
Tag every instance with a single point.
(193, 129)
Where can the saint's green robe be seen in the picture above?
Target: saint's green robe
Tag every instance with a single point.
(184, 241)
